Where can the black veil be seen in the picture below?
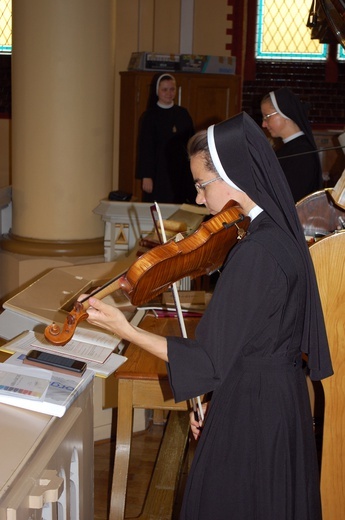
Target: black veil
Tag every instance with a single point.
(248, 160)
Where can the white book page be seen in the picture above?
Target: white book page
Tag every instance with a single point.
(78, 349)
(75, 349)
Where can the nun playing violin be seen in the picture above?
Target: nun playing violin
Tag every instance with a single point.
(256, 455)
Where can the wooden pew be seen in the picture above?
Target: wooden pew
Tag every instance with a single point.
(328, 256)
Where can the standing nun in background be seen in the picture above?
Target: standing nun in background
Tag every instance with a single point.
(162, 161)
(256, 455)
(285, 116)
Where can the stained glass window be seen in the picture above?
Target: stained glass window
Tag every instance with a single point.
(282, 32)
(5, 26)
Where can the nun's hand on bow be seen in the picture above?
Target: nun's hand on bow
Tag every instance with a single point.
(196, 423)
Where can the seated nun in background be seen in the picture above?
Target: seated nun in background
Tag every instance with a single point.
(256, 455)
(286, 117)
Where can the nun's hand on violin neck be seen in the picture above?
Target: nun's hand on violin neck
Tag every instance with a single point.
(107, 317)
(112, 319)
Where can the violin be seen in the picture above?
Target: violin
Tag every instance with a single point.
(202, 252)
(320, 214)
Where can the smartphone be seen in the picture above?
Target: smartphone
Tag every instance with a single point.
(54, 362)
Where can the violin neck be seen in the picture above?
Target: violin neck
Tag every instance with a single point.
(106, 289)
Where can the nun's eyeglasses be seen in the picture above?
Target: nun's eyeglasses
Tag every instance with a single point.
(200, 186)
(265, 118)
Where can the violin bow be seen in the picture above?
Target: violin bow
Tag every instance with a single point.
(196, 401)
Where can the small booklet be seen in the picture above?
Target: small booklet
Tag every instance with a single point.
(44, 391)
(18, 381)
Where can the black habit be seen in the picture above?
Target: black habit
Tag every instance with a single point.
(256, 457)
(303, 172)
(301, 166)
(162, 154)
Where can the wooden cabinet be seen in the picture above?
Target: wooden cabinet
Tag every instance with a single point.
(209, 98)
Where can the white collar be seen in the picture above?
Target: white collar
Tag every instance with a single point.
(254, 212)
(293, 136)
(165, 106)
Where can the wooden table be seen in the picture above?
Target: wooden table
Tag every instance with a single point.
(142, 383)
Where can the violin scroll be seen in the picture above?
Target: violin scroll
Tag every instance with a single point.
(60, 336)
(54, 329)
(57, 336)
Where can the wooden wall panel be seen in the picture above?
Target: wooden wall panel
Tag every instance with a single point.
(210, 27)
(146, 23)
(167, 27)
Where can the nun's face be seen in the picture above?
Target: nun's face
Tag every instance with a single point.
(273, 121)
(166, 91)
(215, 194)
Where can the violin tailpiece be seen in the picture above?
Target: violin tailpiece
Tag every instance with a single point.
(240, 231)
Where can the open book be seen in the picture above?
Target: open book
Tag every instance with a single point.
(100, 357)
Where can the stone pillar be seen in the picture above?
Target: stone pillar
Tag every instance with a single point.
(62, 124)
